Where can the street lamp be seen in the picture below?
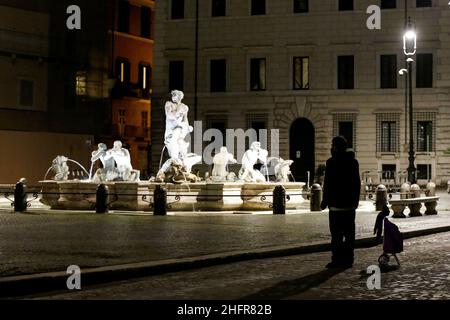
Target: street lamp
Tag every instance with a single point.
(409, 49)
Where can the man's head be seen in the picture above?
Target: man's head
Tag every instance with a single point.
(117, 144)
(338, 145)
(177, 95)
(255, 145)
(102, 146)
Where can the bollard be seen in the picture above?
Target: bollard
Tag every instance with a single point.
(415, 191)
(430, 189)
(159, 201)
(279, 200)
(405, 190)
(381, 199)
(20, 196)
(316, 197)
(101, 200)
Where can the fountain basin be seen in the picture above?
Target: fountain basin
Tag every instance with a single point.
(200, 196)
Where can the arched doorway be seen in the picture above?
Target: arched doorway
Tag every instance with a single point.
(302, 148)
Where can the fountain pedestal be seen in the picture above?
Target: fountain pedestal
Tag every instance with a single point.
(200, 196)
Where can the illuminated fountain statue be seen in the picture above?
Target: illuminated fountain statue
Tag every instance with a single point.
(220, 161)
(177, 129)
(116, 164)
(248, 173)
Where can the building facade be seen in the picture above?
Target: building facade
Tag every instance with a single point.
(131, 65)
(54, 85)
(313, 70)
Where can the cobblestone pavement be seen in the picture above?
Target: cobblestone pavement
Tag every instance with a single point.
(42, 242)
(424, 274)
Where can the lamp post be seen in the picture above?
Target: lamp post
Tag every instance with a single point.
(409, 49)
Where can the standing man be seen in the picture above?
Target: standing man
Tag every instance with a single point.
(341, 195)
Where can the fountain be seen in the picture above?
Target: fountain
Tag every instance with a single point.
(246, 190)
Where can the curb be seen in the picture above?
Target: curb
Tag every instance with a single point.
(19, 286)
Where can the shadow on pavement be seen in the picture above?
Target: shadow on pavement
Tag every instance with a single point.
(290, 288)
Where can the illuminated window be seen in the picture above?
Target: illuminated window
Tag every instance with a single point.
(80, 83)
(145, 73)
(123, 70)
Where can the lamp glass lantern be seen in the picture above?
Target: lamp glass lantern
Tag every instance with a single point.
(410, 40)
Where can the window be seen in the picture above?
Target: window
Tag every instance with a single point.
(301, 6)
(388, 132)
(424, 3)
(346, 72)
(218, 75)
(258, 74)
(425, 131)
(388, 171)
(176, 75)
(346, 130)
(388, 4)
(123, 70)
(344, 125)
(258, 7)
(177, 9)
(424, 136)
(218, 8)
(345, 5)
(424, 171)
(80, 83)
(257, 121)
(124, 16)
(388, 143)
(146, 22)
(145, 76)
(388, 71)
(424, 73)
(26, 93)
(301, 73)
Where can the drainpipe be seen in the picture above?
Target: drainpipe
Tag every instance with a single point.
(196, 63)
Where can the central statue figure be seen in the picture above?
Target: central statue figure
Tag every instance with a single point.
(177, 129)
(177, 126)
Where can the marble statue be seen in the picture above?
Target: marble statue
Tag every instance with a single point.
(109, 171)
(282, 169)
(248, 173)
(174, 171)
(177, 126)
(60, 167)
(177, 129)
(220, 161)
(116, 164)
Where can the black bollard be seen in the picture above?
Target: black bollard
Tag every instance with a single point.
(159, 201)
(20, 197)
(381, 199)
(279, 200)
(101, 200)
(316, 197)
